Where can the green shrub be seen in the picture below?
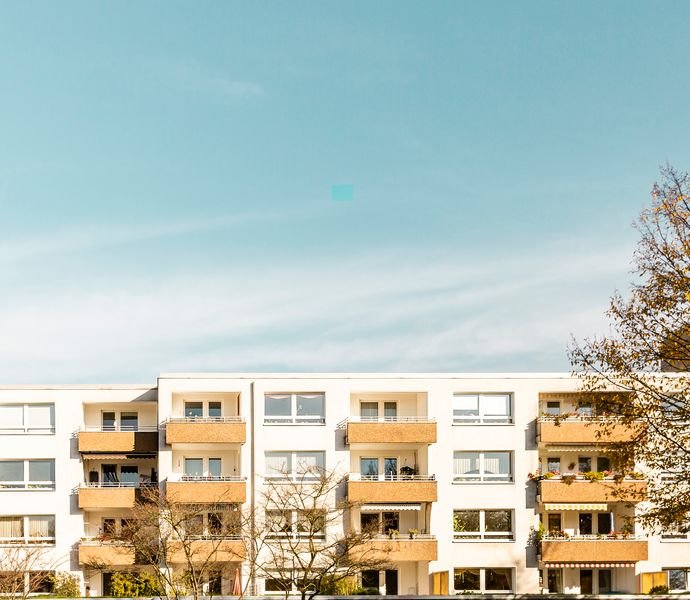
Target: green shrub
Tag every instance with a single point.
(659, 589)
(65, 585)
(133, 585)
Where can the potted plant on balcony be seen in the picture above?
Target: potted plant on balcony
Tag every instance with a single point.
(393, 533)
(413, 533)
(594, 476)
(568, 478)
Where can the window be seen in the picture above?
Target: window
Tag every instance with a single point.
(27, 474)
(27, 418)
(108, 421)
(553, 464)
(369, 468)
(214, 467)
(584, 464)
(603, 463)
(309, 524)
(553, 408)
(482, 467)
(290, 409)
(215, 409)
(194, 467)
(678, 579)
(369, 411)
(294, 465)
(483, 525)
(129, 475)
(467, 580)
(482, 408)
(129, 421)
(38, 529)
(584, 409)
(276, 584)
(194, 410)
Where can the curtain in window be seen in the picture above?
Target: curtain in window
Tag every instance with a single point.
(277, 464)
(497, 463)
(277, 405)
(42, 527)
(11, 528)
(310, 405)
(193, 467)
(465, 463)
(11, 416)
(41, 416)
(369, 410)
(11, 470)
(309, 462)
(41, 470)
(496, 405)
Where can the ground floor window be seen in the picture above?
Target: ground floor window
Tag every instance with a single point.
(554, 581)
(482, 579)
(375, 580)
(678, 579)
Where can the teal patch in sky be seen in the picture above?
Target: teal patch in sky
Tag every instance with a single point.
(342, 192)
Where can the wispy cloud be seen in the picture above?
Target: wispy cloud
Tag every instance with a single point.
(88, 237)
(195, 77)
(433, 312)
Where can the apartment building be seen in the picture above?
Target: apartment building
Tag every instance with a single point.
(463, 467)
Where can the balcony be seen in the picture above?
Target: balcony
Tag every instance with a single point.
(110, 495)
(392, 488)
(593, 549)
(208, 490)
(143, 439)
(104, 553)
(627, 490)
(201, 550)
(582, 430)
(422, 548)
(206, 430)
(391, 430)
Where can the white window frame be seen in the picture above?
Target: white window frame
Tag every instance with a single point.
(26, 540)
(686, 571)
(482, 535)
(293, 418)
(293, 460)
(26, 484)
(293, 523)
(117, 426)
(479, 478)
(482, 417)
(26, 427)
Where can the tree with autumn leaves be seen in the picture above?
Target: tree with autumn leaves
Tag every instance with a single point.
(645, 358)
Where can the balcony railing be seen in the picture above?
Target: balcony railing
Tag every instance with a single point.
(396, 419)
(233, 419)
(119, 484)
(383, 477)
(597, 537)
(208, 478)
(119, 428)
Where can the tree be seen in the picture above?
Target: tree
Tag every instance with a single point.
(23, 570)
(186, 545)
(304, 539)
(643, 362)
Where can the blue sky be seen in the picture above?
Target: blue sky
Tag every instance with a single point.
(166, 173)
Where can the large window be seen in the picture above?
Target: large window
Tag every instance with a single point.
(483, 525)
(308, 524)
(34, 529)
(289, 409)
(486, 467)
(294, 465)
(27, 474)
(27, 418)
(678, 579)
(467, 580)
(482, 408)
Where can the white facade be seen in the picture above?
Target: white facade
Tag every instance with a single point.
(504, 448)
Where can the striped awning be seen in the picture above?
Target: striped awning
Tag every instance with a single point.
(593, 506)
(583, 565)
(389, 507)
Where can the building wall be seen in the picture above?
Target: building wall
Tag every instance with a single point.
(419, 395)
